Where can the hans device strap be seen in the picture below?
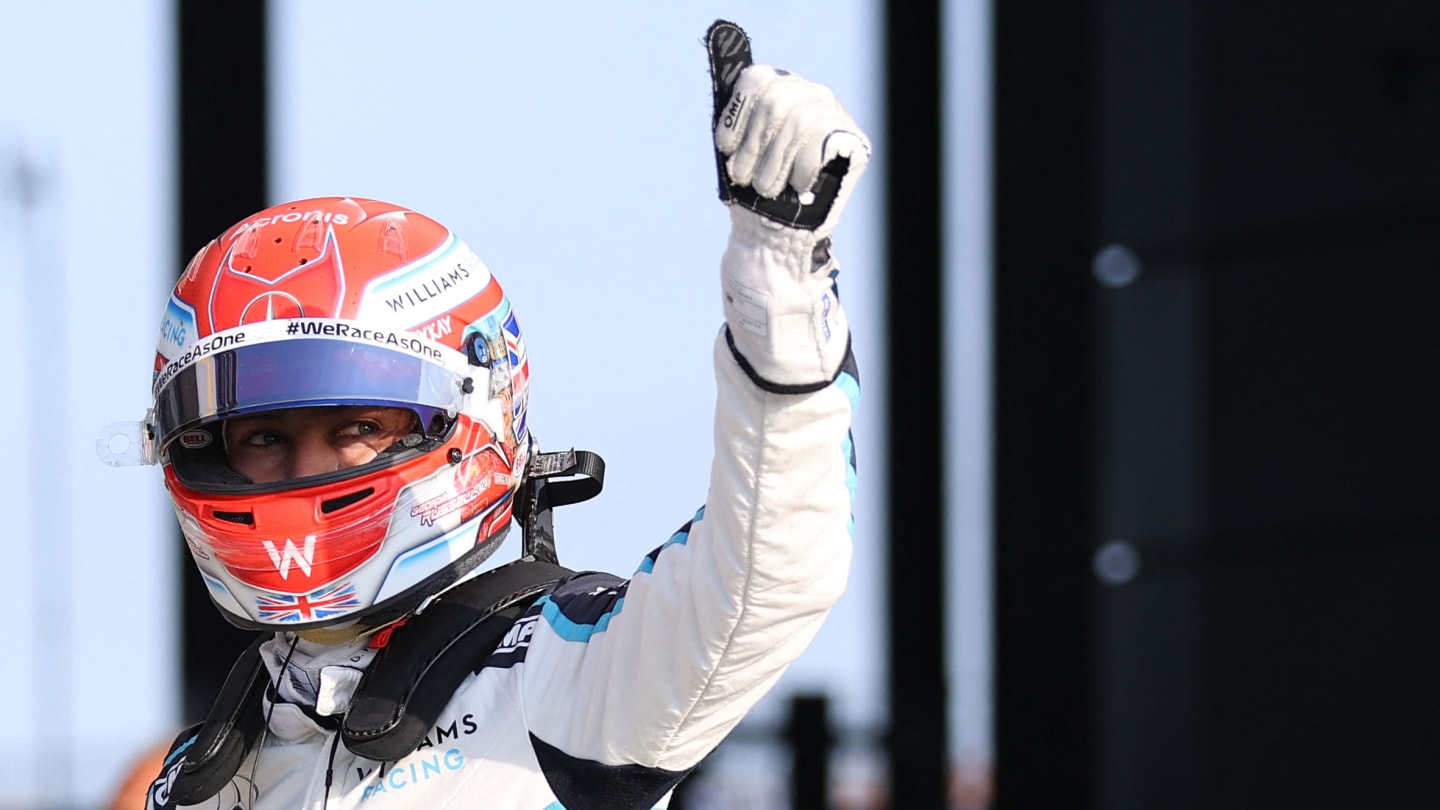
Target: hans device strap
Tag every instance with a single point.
(402, 692)
(229, 732)
(413, 677)
(554, 479)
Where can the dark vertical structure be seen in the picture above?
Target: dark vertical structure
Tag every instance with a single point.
(811, 741)
(1218, 456)
(918, 741)
(1042, 238)
(222, 70)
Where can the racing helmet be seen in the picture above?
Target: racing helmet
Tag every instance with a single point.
(340, 301)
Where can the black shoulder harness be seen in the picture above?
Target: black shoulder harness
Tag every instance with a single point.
(412, 678)
(402, 692)
(415, 674)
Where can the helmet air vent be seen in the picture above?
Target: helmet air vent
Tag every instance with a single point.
(392, 239)
(311, 235)
(247, 518)
(247, 243)
(336, 504)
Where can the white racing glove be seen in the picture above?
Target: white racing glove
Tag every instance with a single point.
(778, 132)
(788, 157)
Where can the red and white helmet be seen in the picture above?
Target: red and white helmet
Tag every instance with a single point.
(339, 301)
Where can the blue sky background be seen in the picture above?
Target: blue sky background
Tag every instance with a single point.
(569, 145)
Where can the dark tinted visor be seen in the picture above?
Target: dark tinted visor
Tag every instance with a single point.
(298, 373)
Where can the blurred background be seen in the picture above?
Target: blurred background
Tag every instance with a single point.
(1142, 295)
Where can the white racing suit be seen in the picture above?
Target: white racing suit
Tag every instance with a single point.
(610, 689)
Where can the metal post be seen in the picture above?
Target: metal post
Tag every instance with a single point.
(811, 741)
(223, 121)
(918, 740)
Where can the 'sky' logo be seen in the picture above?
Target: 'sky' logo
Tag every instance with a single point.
(302, 559)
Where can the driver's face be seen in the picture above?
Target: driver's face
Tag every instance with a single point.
(297, 442)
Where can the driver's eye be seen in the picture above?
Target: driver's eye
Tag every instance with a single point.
(263, 438)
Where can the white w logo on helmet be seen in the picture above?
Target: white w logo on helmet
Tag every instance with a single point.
(304, 559)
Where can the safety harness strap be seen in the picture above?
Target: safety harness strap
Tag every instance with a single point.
(228, 733)
(412, 678)
(403, 691)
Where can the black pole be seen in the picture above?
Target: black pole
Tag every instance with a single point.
(918, 741)
(1043, 322)
(222, 143)
(810, 738)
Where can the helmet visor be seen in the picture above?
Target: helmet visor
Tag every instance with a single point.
(298, 373)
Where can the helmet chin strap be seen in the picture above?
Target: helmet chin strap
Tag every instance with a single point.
(333, 635)
(347, 633)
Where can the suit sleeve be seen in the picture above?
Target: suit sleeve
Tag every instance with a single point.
(654, 671)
